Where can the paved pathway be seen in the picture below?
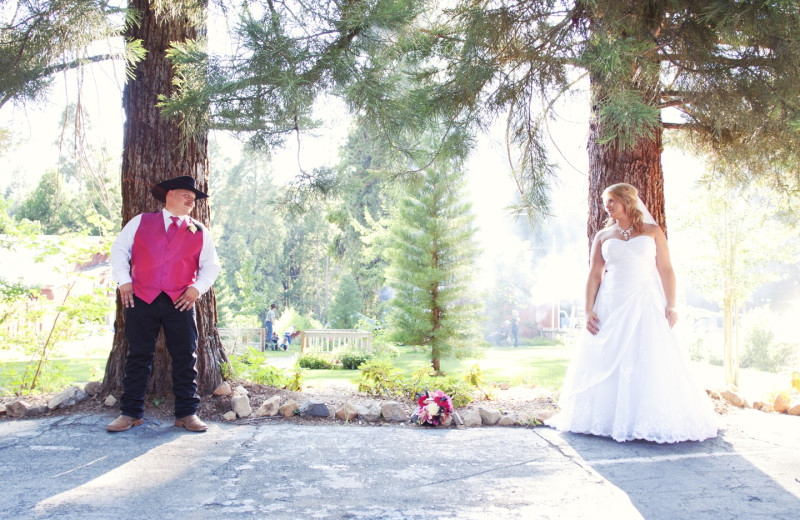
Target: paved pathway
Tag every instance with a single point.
(69, 467)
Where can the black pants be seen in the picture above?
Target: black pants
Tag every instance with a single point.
(142, 324)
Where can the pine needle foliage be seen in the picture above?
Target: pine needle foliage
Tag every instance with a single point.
(432, 253)
(39, 38)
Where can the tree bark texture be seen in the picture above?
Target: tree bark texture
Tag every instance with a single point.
(153, 152)
(638, 165)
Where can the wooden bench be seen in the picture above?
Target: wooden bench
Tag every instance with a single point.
(335, 340)
(236, 340)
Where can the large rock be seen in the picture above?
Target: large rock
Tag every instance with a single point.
(229, 416)
(17, 409)
(369, 413)
(489, 416)
(542, 415)
(393, 411)
(347, 412)
(794, 410)
(734, 398)
(110, 400)
(223, 390)
(471, 418)
(36, 410)
(68, 397)
(781, 404)
(240, 390)
(289, 408)
(315, 408)
(507, 420)
(241, 405)
(762, 406)
(93, 388)
(269, 407)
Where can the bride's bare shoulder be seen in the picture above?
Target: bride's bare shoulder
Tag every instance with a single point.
(603, 235)
(651, 229)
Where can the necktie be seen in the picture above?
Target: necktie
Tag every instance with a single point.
(173, 229)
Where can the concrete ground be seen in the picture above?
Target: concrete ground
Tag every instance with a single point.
(69, 467)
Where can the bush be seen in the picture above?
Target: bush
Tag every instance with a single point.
(760, 350)
(317, 362)
(459, 390)
(252, 366)
(352, 359)
(380, 377)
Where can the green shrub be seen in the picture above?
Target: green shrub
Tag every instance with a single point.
(761, 351)
(459, 390)
(252, 366)
(317, 361)
(352, 359)
(380, 377)
(295, 382)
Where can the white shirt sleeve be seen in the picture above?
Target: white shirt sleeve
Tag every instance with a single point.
(121, 252)
(209, 266)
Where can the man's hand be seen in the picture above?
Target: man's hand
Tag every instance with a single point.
(126, 294)
(186, 300)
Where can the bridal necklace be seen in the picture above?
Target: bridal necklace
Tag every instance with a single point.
(625, 233)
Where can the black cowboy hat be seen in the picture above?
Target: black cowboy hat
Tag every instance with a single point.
(184, 182)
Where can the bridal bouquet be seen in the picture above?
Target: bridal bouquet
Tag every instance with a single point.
(434, 408)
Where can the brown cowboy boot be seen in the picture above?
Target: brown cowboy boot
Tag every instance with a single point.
(123, 423)
(191, 423)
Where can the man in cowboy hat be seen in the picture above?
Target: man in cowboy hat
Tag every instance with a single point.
(163, 262)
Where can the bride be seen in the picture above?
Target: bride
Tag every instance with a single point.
(630, 379)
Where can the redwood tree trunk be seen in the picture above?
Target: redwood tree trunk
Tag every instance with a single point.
(152, 152)
(638, 165)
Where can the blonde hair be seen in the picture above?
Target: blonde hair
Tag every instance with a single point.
(628, 196)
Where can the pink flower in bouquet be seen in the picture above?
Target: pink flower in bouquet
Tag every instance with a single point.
(434, 408)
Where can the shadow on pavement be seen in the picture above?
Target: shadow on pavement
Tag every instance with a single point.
(731, 476)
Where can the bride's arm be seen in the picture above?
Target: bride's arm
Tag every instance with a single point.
(597, 266)
(667, 274)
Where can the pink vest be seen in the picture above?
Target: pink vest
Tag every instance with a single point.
(158, 265)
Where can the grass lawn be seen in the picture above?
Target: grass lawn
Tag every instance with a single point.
(73, 370)
(540, 365)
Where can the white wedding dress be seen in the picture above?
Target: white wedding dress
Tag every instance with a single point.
(632, 380)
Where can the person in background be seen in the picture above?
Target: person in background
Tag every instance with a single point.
(162, 263)
(270, 322)
(515, 327)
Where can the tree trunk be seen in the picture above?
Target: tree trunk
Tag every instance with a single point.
(638, 165)
(153, 152)
(729, 355)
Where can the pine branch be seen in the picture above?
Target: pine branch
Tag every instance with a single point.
(74, 64)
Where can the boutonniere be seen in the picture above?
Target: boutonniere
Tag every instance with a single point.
(191, 227)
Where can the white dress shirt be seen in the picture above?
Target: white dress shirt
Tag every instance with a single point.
(209, 266)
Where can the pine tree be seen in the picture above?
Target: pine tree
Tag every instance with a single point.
(431, 258)
(724, 73)
(347, 304)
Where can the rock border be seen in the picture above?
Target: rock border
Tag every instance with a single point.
(278, 407)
